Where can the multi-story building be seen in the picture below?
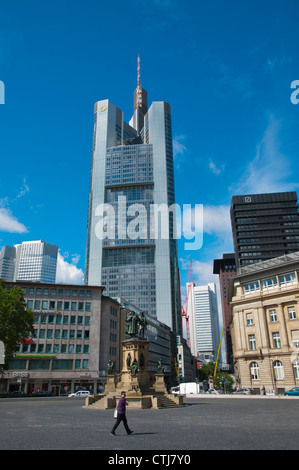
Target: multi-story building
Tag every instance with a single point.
(186, 363)
(78, 330)
(29, 261)
(202, 311)
(131, 173)
(7, 263)
(226, 268)
(264, 302)
(264, 226)
(76, 334)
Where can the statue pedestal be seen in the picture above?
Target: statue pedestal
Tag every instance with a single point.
(110, 384)
(135, 350)
(160, 386)
(137, 383)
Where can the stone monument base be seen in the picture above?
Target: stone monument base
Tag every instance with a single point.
(143, 389)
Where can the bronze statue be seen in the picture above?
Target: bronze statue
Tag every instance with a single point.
(142, 324)
(132, 324)
(134, 367)
(128, 361)
(136, 325)
(160, 367)
(110, 367)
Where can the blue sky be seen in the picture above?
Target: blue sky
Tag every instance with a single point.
(225, 67)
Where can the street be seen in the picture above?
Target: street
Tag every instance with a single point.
(206, 423)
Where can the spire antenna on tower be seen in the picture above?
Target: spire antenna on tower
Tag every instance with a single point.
(139, 87)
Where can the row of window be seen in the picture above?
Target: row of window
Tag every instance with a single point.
(273, 315)
(59, 305)
(57, 334)
(60, 292)
(61, 319)
(50, 348)
(270, 283)
(276, 342)
(42, 364)
(278, 370)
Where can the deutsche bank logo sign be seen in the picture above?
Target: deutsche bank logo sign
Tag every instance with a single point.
(2, 93)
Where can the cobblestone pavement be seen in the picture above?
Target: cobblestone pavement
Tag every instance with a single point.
(206, 423)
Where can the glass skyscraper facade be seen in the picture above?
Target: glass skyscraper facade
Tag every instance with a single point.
(131, 172)
(29, 261)
(204, 321)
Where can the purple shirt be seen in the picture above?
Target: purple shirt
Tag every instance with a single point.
(121, 407)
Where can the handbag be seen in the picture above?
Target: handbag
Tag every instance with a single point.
(115, 413)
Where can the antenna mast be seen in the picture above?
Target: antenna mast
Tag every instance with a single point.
(139, 88)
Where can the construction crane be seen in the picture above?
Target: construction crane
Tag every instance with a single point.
(216, 365)
(185, 305)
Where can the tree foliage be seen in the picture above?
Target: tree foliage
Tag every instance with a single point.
(207, 370)
(16, 321)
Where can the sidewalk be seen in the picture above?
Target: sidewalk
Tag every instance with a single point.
(236, 395)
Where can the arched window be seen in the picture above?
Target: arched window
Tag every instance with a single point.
(254, 371)
(296, 369)
(278, 370)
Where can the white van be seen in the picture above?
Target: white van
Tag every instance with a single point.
(80, 393)
(186, 388)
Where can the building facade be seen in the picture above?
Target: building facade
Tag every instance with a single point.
(29, 261)
(265, 324)
(78, 330)
(186, 363)
(7, 263)
(202, 311)
(76, 334)
(226, 268)
(264, 226)
(131, 171)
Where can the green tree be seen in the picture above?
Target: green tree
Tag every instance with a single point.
(226, 380)
(16, 321)
(206, 371)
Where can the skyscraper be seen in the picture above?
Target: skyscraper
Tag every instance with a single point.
(7, 262)
(264, 226)
(29, 261)
(226, 268)
(203, 320)
(132, 172)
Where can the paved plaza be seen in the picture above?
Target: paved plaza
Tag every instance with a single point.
(206, 423)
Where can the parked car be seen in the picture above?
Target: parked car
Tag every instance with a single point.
(43, 393)
(214, 391)
(293, 392)
(243, 391)
(80, 393)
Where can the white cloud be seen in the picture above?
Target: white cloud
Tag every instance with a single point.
(179, 149)
(214, 169)
(8, 223)
(216, 219)
(68, 273)
(203, 272)
(270, 168)
(24, 189)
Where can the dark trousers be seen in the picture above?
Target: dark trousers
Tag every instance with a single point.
(121, 417)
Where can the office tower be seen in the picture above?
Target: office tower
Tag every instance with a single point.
(7, 262)
(226, 268)
(203, 321)
(264, 226)
(36, 261)
(131, 170)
